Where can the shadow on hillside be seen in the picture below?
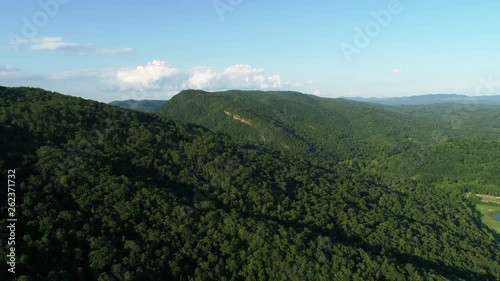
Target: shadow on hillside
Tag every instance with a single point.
(397, 257)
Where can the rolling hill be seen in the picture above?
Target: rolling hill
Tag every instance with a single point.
(306, 123)
(105, 193)
(363, 134)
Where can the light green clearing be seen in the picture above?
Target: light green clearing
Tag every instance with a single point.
(491, 200)
(488, 211)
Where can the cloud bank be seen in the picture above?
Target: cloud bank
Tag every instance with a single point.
(57, 44)
(237, 76)
(145, 77)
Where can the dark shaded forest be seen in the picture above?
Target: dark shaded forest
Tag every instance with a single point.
(303, 193)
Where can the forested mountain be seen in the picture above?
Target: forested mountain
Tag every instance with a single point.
(139, 105)
(431, 99)
(105, 193)
(305, 123)
(362, 132)
(481, 121)
(468, 160)
(470, 165)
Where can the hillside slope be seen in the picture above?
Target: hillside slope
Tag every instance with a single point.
(105, 193)
(472, 166)
(481, 121)
(305, 123)
(360, 133)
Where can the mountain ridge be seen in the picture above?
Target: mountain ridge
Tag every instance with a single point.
(151, 105)
(115, 194)
(430, 99)
(304, 122)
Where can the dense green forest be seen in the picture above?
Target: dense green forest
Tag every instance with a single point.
(480, 120)
(105, 193)
(305, 123)
(470, 165)
(415, 142)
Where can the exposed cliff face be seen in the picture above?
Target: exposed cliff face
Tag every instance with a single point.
(238, 118)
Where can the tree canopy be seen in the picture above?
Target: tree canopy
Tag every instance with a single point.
(106, 193)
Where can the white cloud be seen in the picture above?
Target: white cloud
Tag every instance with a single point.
(160, 78)
(116, 51)
(7, 70)
(25, 77)
(260, 79)
(242, 70)
(237, 76)
(275, 81)
(145, 77)
(202, 79)
(268, 82)
(396, 71)
(57, 43)
(11, 75)
(75, 74)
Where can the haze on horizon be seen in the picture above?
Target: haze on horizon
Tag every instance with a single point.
(117, 50)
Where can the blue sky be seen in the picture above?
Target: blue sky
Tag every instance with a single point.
(152, 49)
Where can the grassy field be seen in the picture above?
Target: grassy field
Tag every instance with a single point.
(488, 211)
(491, 200)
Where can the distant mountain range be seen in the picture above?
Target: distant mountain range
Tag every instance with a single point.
(152, 105)
(430, 99)
(139, 105)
